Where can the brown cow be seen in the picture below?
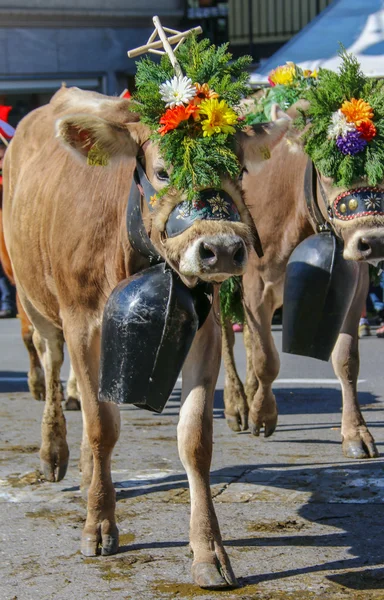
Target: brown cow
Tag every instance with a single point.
(71, 250)
(36, 382)
(279, 208)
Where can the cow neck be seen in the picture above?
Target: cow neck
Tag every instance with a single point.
(137, 233)
(311, 185)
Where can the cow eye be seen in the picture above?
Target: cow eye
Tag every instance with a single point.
(162, 175)
(243, 171)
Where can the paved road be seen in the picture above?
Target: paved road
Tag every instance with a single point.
(299, 520)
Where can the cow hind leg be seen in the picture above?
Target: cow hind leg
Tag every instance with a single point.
(36, 382)
(235, 400)
(357, 441)
(102, 423)
(211, 567)
(73, 394)
(54, 452)
(266, 365)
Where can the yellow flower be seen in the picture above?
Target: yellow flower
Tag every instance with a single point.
(284, 75)
(153, 200)
(219, 117)
(356, 111)
(308, 73)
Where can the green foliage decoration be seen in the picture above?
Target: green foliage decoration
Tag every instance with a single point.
(194, 160)
(231, 300)
(287, 85)
(326, 99)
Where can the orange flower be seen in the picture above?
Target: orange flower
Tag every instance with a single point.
(203, 92)
(174, 116)
(367, 130)
(356, 111)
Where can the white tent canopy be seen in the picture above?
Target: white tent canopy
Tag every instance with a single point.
(357, 24)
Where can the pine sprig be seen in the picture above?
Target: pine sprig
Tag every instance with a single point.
(231, 300)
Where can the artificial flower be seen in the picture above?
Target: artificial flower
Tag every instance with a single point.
(179, 90)
(367, 130)
(284, 75)
(219, 117)
(174, 116)
(352, 143)
(339, 125)
(356, 111)
(204, 92)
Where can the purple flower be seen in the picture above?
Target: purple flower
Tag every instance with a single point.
(351, 143)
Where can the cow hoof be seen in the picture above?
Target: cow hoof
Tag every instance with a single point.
(208, 576)
(89, 544)
(54, 462)
(359, 449)
(269, 428)
(53, 473)
(72, 404)
(237, 422)
(109, 542)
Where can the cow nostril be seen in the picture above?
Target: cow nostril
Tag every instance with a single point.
(363, 246)
(207, 253)
(239, 254)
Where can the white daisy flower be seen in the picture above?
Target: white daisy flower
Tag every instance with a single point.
(177, 91)
(339, 125)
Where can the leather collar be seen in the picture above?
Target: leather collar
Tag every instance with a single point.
(311, 184)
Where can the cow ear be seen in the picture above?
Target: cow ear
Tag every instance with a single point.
(294, 135)
(257, 142)
(94, 138)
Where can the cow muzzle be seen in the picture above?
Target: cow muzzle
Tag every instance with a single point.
(367, 246)
(215, 257)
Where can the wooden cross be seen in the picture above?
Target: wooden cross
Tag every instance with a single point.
(165, 43)
(4, 140)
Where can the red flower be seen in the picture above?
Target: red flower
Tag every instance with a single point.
(174, 116)
(367, 130)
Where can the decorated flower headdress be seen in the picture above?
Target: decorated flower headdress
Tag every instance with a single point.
(190, 101)
(345, 136)
(288, 84)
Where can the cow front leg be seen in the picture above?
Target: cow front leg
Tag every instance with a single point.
(251, 383)
(235, 400)
(259, 307)
(211, 567)
(357, 441)
(102, 423)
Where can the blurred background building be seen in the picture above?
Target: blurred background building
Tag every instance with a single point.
(85, 42)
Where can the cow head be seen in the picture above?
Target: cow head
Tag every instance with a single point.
(209, 249)
(356, 212)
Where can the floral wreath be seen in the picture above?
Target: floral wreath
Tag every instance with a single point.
(345, 136)
(288, 84)
(194, 116)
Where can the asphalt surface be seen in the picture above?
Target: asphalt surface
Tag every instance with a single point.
(299, 520)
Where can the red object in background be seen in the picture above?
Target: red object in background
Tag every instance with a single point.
(4, 112)
(6, 129)
(127, 94)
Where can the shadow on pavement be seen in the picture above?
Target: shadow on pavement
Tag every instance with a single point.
(348, 496)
